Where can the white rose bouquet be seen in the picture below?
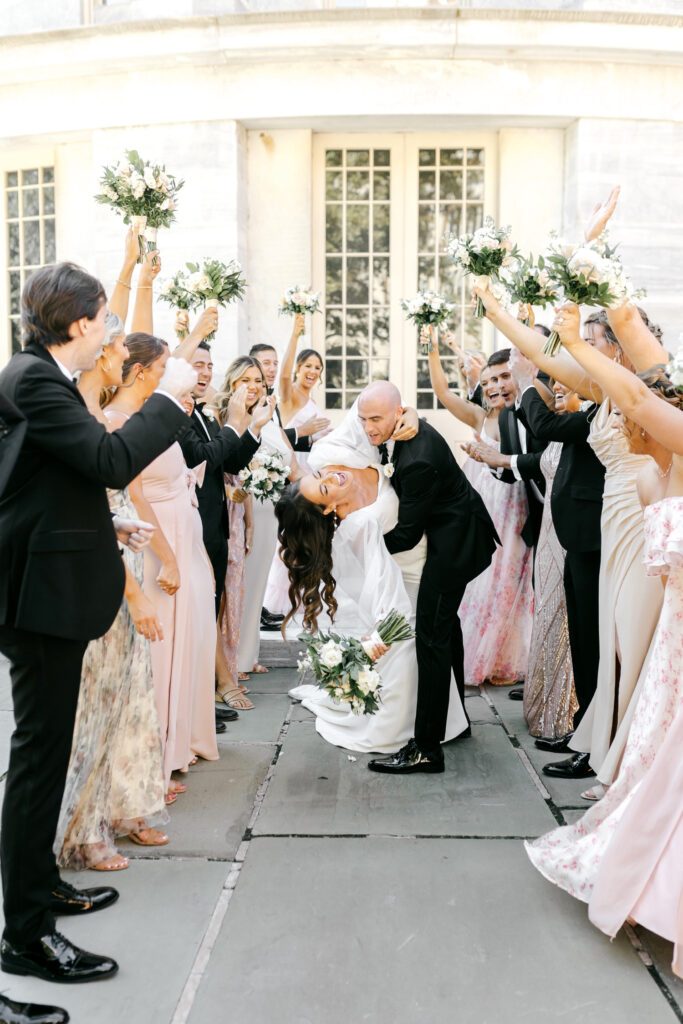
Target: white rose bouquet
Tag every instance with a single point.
(427, 310)
(266, 476)
(342, 666)
(300, 300)
(589, 274)
(214, 284)
(175, 292)
(530, 284)
(143, 193)
(483, 254)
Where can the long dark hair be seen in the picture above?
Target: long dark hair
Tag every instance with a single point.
(305, 537)
(305, 354)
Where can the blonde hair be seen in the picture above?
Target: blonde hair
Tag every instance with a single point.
(237, 369)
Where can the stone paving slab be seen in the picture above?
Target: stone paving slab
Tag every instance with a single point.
(485, 790)
(277, 680)
(5, 686)
(6, 730)
(154, 932)
(210, 818)
(260, 725)
(564, 792)
(391, 931)
(509, 710)
(477, 708)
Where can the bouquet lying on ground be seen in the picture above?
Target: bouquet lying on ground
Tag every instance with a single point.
(589, 274)
(266, 476)
(483, 254)
(342, 666)
(175, 292)
(300, 300)
(530, 284)
(214, 284)
(427, 310)
(143, 193)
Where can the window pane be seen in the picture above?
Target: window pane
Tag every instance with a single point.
(358, 158)
(380, 227)
(357, 185)
(357, 373)
(380, 280)
(427, 157)
(475, 217)
(48, 174)
(425, 400)
(425, 273)
(475, 157)
(333, 232)
(357, 273)
(450, 157)
(450, 185)
(357, 332)
(357, 228)
(380, 333)
(423, 380)
(13, 239)
(29, 177)
(12, 204)
(475, 185)
(380, 369)
(333, 373)
(333, 185)
(382, 157)
(333, 157)
(449, 222)
(350, 398)
(381, 184)
(31, 202)
(48, 200)
(50, 249)
(16, 336)
(11, 179)
(333, 400)
(333, 284)
(426, 230)
(427, 185)
(32, 243)
(14, 291)
(333, 332)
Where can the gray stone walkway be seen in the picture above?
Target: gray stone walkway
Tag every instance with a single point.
(299, 888)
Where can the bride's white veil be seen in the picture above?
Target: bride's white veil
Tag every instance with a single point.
(346, 445)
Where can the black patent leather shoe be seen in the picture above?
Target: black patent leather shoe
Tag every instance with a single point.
(576, 767)
(221, 726)
(30, 1013)
(67, 900)
(224, 713)
(407, 761)
(555, 746)
(516, 693)
(270, 622)
(54, 958)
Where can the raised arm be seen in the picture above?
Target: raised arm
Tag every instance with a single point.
(467, 412)
(664, 422)
(635, 337)
(120, 296)
(143, 313)
(206, 325)
(287, 368)
(562, 367)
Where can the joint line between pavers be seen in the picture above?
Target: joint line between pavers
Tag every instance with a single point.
(201, 960)
(645, 958)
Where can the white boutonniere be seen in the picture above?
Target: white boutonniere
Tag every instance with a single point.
(388, 470)
(209, 413)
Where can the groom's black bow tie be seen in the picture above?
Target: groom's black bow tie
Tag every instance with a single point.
(383, 453)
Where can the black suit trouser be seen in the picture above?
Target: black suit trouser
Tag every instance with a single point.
(581, 587)
(46, 677)
(440, 649)
(218, 556)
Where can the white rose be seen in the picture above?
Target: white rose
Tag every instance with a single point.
(123, 169)
(138, 189)
(368, 680)
(584, 261)
(543, 278)
(260, 474)
(150, 180)
(167, 287)
(338, 692)
(198, 282)
(331, 655)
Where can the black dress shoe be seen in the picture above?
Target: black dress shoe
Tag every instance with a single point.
(516, 693)
(221, 726)
(576, 767)
(53, 958)
(224, 713)
(67, 900)
(408, 760)
(270, 622)
(555, 746)
(30, 1013)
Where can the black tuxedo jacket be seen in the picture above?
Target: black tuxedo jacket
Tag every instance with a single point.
(12, 433)
(576, 497)
(528, 466)
(299, 444)
(436, 499)
(224, 452)
(61, 571)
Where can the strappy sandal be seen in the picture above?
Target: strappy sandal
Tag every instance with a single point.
(259, 670)
(115, 863)
(595, 793)
(136, 837)
(242, 675)
(171, 798)
(234, 698)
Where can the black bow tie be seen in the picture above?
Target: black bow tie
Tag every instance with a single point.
(383, 453)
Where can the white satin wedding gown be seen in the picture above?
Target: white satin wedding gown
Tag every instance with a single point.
(370, 583)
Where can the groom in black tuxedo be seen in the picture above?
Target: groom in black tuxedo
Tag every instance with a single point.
(436, 499)
(61, 585)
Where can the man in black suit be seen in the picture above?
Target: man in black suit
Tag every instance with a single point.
(61, 585)
(576, 505)
(436, 499)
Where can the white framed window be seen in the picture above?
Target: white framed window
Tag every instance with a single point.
(29, 208)
(382, 205)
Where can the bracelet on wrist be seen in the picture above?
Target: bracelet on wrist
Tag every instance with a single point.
(144, 286)
(119, 281)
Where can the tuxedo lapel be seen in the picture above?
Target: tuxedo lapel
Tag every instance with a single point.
(509, 434)
(42, 353)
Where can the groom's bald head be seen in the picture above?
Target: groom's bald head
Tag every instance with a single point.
(379, 410)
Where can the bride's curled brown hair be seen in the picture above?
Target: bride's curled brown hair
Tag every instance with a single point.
(305, 537)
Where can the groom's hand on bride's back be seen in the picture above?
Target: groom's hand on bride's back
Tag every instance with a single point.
(407, 426)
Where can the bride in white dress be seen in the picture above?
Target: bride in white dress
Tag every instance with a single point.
(369, 583)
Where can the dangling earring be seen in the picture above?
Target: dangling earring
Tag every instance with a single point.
(141, 376)
(643, 434)
(105, 364)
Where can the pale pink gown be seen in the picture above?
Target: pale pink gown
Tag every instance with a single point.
(572, 856)
(276, 599)
(497, 610)
(183, 663)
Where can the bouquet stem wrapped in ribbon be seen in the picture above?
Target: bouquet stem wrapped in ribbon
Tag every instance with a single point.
(175, 292)
(143, 193)
(427, 310)
(343, 667)
(483, 254)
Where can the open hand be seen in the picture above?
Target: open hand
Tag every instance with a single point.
(181, 326)
(600, 214)
(263, 412)
(134, 533)
(206, 324)
(313, 426)
(407, 427)
(151, 266)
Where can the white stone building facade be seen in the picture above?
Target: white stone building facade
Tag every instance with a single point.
(334, 145)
